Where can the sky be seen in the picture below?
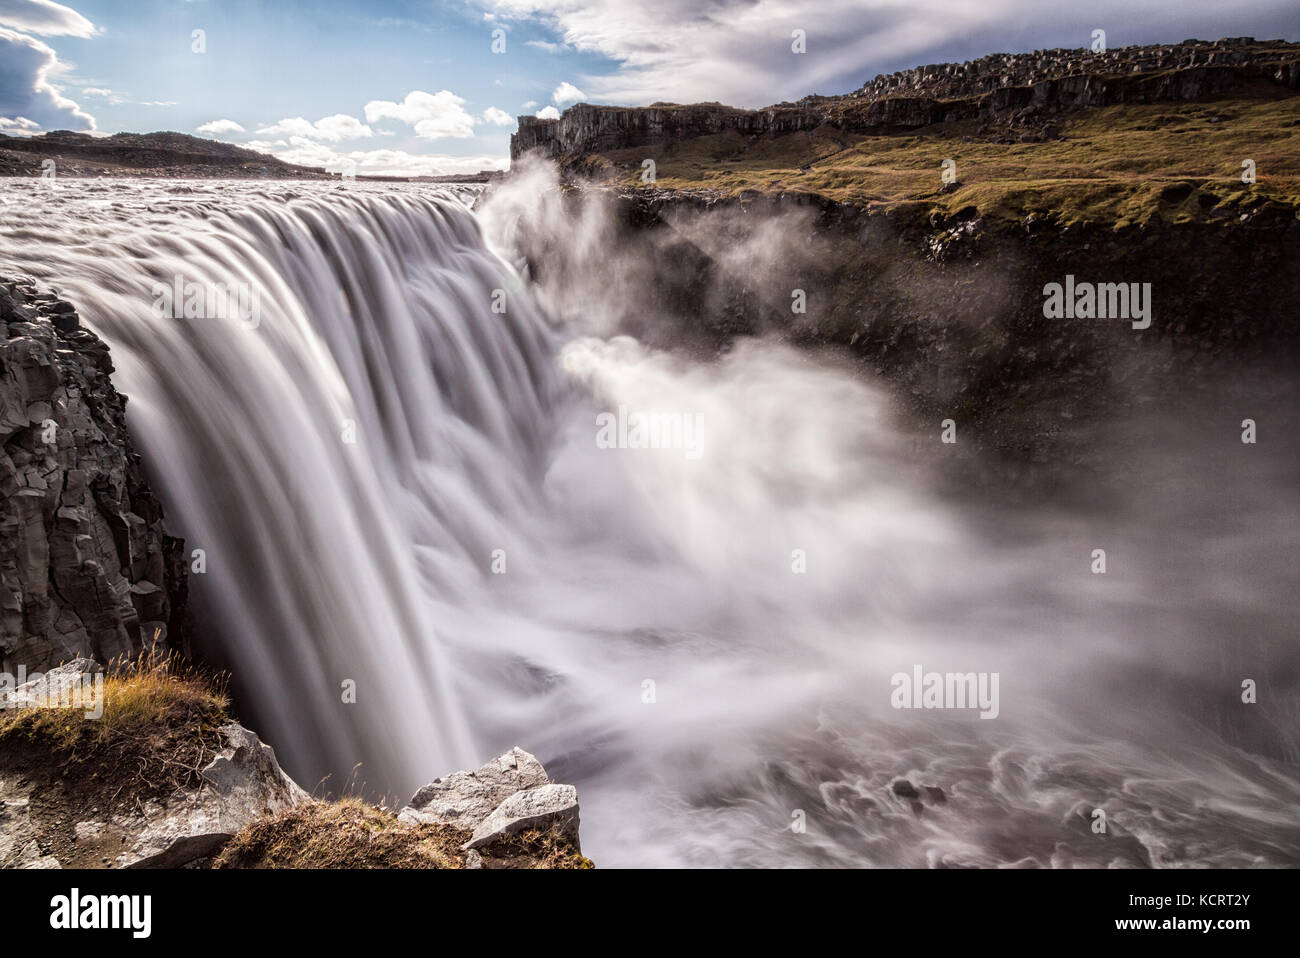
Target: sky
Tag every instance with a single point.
(434, 86)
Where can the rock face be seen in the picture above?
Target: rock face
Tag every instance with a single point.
(1005, 88)
(509, 794)
(86, 567)
(42, 825)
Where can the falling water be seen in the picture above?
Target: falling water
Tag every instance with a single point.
(390, 466)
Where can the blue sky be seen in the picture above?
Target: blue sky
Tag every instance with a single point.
(413, 86)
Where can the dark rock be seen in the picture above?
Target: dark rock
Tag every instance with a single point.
(905, 789)
(84, 556)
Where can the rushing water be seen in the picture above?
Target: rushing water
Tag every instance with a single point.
(390, 462)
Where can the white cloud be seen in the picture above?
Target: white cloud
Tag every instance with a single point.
(331, 129)
(497, 117)
(739, 51)
(26, 65)
(45, 18)
(566, 92)
(548, 113)
(18, 126)
(529, 105)
(217, 127)
(305, 152)
(340, 126)
(432, 116)
(96, 91)
(545, 46)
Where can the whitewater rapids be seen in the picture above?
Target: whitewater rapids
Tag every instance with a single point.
(393, 474)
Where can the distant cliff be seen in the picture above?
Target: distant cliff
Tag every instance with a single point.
(149, 154)
(1020, 88)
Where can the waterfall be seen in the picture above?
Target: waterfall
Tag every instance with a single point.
(386, 443)
(348, 451)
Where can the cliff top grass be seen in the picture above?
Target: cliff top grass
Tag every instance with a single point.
(160, 726)
(353, 834)
(1120, 165)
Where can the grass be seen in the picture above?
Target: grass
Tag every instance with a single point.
(350, 833)
(1113, 165)
(159, 728)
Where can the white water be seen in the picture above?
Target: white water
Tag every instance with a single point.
(371, 561)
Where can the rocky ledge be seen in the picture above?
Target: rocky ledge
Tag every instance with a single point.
(86, 566)
(145, 768)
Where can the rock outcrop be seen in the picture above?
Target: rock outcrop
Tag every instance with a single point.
(540, 808)
(506, 796)
(47, 823)
(86, 566)
(1004, 88)
(241, 785)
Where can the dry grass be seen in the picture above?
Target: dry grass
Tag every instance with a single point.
(1114, 165)
(353, 834)
(159, 728)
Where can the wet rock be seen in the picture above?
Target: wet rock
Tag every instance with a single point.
(904, 789)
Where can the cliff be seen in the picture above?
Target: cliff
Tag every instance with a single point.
(86, 565)
(1005, 88)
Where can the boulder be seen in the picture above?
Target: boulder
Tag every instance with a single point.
(465, 799)
(536, 808)
(243, 783)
